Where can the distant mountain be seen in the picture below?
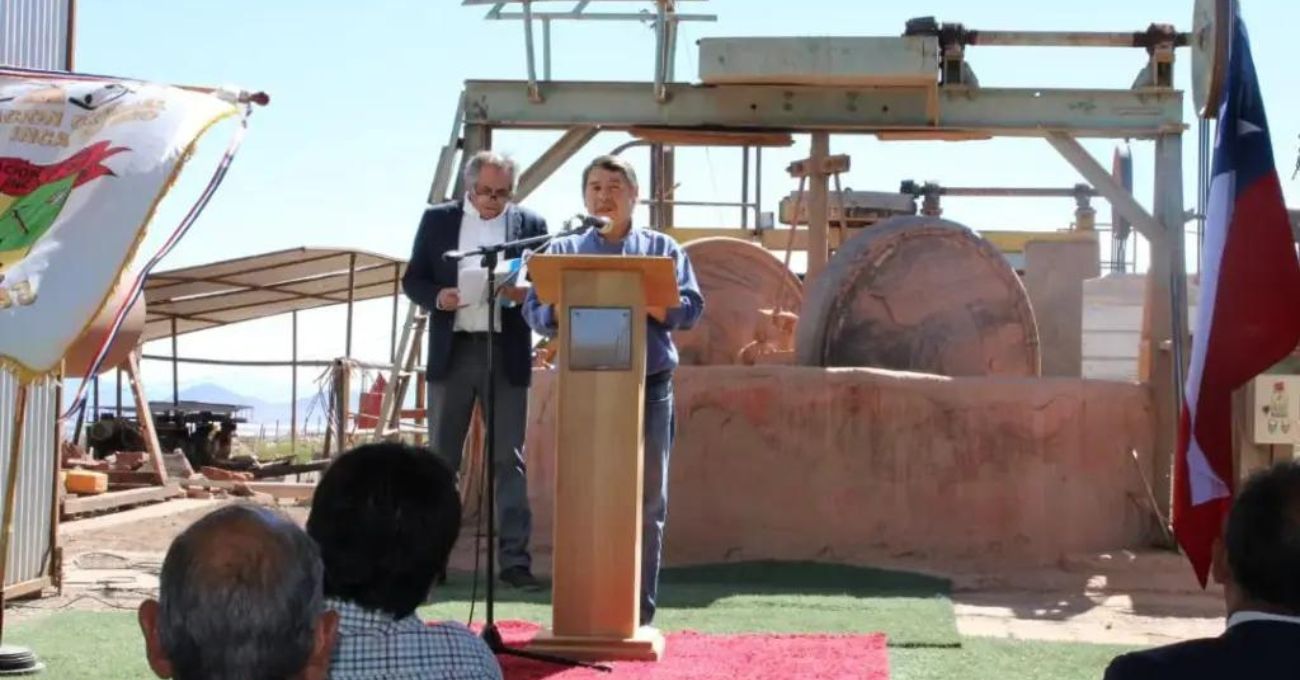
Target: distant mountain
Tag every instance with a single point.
(216, 394)
(265, 412)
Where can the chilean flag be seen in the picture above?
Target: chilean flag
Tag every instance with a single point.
(1248, 318)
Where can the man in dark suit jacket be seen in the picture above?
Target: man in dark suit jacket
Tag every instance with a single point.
(459, 337)
(1258, 563)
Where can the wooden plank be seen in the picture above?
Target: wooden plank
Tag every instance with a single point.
(118, 499)
(292, 490)
(26, 588)
(144, 415)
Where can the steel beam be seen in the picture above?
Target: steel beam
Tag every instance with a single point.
(1167, 310)
(1105, 183)
(996, 111)
(443, 174)
(561, 151)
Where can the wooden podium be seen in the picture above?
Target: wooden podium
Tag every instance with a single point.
(600, 305)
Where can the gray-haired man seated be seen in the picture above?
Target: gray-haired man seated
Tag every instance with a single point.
(240, 599)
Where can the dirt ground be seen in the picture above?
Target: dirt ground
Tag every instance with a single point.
(1141, 598)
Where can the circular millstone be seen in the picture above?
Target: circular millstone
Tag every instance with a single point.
(919, 294)
(1211, 27)
(15, 660)
(738, 279)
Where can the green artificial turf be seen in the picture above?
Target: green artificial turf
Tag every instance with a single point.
(753, 597)
(776, 597)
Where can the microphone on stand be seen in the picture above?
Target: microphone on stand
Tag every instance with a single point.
(602, 225)
(572, 226)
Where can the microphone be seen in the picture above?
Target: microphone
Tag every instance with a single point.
(600, 224)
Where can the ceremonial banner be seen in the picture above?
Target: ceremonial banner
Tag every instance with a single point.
(84, 162)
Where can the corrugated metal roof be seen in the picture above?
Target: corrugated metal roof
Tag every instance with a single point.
(247, 288)
(35, 33)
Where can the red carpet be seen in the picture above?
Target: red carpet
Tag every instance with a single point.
(692, 656)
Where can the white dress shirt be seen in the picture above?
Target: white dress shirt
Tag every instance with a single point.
(1246, 616)
(475, 231)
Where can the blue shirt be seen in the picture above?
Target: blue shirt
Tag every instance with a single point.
(661, 353)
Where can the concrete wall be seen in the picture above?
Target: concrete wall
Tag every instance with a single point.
(1112, 324)
(1054, 276)
(855, 465)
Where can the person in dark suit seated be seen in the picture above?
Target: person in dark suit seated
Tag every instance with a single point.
(452, 292)
(1258, 563)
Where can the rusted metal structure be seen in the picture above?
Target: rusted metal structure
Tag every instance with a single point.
(913, 86)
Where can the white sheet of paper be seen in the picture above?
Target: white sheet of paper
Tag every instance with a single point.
(472, 286)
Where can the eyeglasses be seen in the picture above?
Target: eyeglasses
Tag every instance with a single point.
(498, 194)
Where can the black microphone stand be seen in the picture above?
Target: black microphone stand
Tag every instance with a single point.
(490, 255)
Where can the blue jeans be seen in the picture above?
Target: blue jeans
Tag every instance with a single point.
(660, 429)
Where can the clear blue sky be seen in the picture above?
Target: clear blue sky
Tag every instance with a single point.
(363, 96)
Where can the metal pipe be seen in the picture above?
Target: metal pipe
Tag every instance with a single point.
(176, 390)
(267, 364)
(352, 276)
(119, 392)
(1020, 192)
(293, 381)
(758, 186)
(670, 67)
(1068, 38)
(619, 16)
(744, 187)
(1169, 211)
(660, 48)
(528, 45)
(70, 47)
(699, 204)
(546, 49)
(392, 335)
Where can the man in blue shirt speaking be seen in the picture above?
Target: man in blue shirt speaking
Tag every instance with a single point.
(610, 190)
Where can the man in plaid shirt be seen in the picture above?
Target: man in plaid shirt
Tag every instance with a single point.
(386, 517)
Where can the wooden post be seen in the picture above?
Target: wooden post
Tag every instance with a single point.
(342, 383)
(11, 489)
(818, 190)
(145, 418)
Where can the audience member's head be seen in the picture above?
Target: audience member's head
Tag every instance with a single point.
(386, 517)
(1258, 560)
(240, 598)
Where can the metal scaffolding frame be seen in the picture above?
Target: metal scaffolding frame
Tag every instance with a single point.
(953, 107)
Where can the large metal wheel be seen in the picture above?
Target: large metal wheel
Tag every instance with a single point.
(922, 294)
(737, 278)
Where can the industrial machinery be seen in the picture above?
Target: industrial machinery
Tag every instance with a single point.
(205, 433)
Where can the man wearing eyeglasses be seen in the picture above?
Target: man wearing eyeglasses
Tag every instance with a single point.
(454, 293)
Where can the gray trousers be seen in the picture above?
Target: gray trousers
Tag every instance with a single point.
(451, 404)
